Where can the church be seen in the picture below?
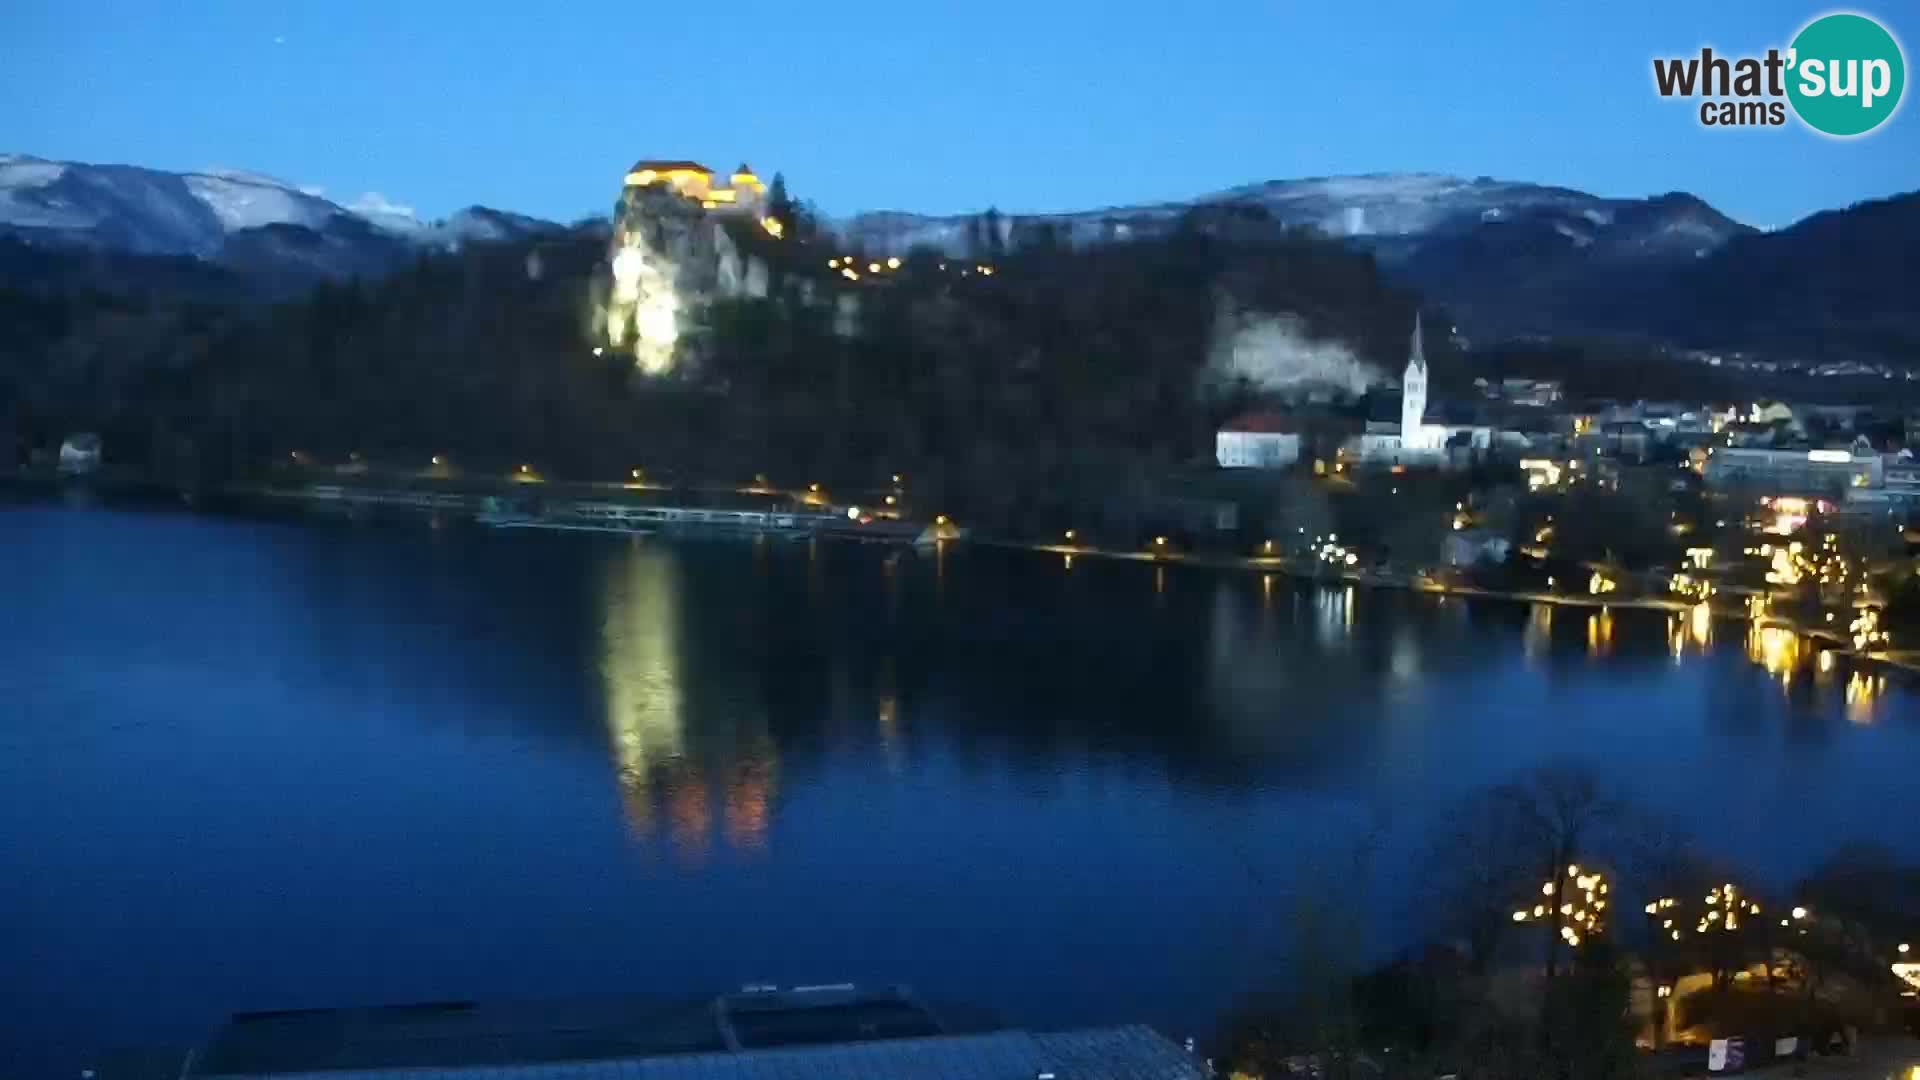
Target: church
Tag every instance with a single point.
(1413, 442)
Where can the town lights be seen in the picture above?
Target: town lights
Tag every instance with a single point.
(893, 262)
(1069, 535)
(940, 519)
(635, 473)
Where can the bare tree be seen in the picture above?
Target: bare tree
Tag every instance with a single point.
(1560, 812)
(1475, 866)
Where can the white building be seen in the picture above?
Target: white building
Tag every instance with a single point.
(80, 453)
(1794, 472)
(1256, 441)
(1414, 441)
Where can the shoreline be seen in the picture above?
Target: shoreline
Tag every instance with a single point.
(1903, 660)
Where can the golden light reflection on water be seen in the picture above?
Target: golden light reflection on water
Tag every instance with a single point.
(1600, 632)
(669, 782)
(1863, 696)
(749, 795)
(640, 664)
(1774, 648)
(1690, 631)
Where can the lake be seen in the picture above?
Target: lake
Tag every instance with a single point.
(252, 764)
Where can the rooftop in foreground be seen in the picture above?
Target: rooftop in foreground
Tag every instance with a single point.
(760, 1034)
(1123, 1053)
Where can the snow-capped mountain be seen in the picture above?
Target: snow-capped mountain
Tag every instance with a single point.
(1386, 210)
(1503, 254)
(232, 218)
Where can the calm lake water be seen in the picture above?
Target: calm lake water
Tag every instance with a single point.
(251, 764)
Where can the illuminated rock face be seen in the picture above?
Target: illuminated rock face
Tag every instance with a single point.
(667, 261)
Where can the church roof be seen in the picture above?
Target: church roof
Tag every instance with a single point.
(662, 166)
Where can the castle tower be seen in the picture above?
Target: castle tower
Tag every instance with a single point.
(1413, 394)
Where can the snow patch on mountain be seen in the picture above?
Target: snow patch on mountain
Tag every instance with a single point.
(19, 175)
(250, 203)
(1579, 238)
(384, 213)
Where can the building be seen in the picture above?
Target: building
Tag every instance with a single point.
(1257, 441)
(813, 1033)
(1470, 547)
(743, 193)
(1413, 441)
(1794, 471)
(1535, 392)
(1626, 438)
(80, 453)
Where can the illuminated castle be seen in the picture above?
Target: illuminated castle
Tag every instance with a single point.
(743, 193)
(670, 252)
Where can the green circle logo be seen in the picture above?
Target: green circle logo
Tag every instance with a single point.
(1846, 74)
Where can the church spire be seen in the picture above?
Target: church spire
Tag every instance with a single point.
(1417, 358)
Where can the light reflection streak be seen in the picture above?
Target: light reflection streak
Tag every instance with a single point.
(1863, 695)
(1539, 634)
(1333, 614)
(666, 777)
(1775, 648)
(1600, 632)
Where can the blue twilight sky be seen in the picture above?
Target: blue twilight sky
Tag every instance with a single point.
(930, 106)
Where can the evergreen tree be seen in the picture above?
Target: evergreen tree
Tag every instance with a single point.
(779, 203)
(996, 245)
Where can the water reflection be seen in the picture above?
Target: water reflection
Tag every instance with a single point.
(640, 665)
(1863, 695)
(1538, 639)
(1775, 648)
(1600, 632)
(1333, 615)
(1691, 631)
(664, 772)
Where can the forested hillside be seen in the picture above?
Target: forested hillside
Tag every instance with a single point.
(970, 382)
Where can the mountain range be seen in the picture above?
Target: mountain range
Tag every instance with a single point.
(1512, 259)
(276, 236)
(1505, 258)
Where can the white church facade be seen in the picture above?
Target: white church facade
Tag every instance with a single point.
(1413, 442)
